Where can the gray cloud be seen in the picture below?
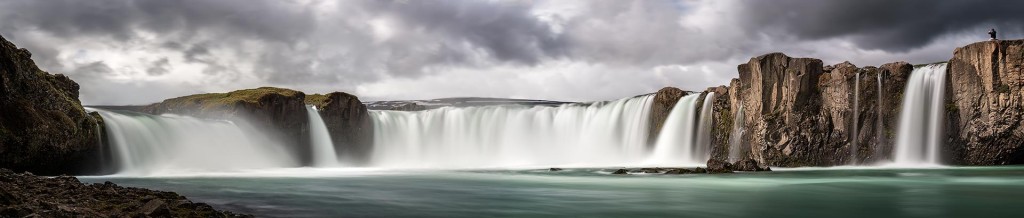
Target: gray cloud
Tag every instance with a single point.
(415, 49)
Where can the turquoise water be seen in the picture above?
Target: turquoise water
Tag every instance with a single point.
(948, 192)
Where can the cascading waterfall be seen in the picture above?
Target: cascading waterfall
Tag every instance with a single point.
(320, 139)
(702, 148)
(168, 144)
(879, 124)
(599, 134)
(920, 133)
(676, 141)
(855, 128)
(736, 136)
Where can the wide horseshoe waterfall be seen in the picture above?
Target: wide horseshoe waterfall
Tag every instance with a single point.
(170, 144)
(598, 134)
(920, 134)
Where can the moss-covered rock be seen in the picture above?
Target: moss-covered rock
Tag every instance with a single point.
(43, 127)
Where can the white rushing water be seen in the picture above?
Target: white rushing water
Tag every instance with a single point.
(320, 140)
(920, 134)
(600, 134)
(676, 141)
(169, 144)
(736, 136)
(702, 147)
(855, 125)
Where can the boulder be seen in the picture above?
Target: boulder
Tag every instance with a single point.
(155, 208)
(719, 166)
(43, 127)
(985, 103)
(620, 172)
(747, 165)
(555, 169)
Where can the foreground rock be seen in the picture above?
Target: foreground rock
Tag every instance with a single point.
(985, 103)
(27, 195)
(348, 122)
(43, 127)
(279, 112)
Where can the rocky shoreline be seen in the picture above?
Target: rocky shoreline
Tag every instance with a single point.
(28, 195)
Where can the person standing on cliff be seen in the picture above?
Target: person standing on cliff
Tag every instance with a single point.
(992, 33)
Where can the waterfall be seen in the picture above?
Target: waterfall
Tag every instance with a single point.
(599, 134)
(167, 144)
(674, 145)
(879, 123)
(736, 136)
(702, 148)
(320, 139)
(855, 129)
(920, 135)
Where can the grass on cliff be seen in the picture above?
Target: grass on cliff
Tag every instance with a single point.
(317, 100)
(922, 65)
(213, 100)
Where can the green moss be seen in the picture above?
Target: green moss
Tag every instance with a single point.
(318, 100)
(217, 100)
(952, 108)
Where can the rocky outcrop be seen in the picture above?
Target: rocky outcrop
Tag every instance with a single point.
(985, 103)
(719, 166)
(801, 113)
(721, 122)
(349, 124)
(664, 100)
(27, 195)
(43, 127)
(278, 112)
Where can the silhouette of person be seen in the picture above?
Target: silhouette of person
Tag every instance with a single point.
(992, 33)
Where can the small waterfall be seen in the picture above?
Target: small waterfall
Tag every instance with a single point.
(676, 142)
(736, 137)
(920, 135)
(167, 144)
(599, 134)
(855, 128)
(702, 148)
(879, 123)
(322, 146)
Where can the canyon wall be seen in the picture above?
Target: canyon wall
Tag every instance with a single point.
(984, 103)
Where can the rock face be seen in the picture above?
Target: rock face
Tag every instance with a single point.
(801, 113)
(349, 124)
(985, 103)
(27, 195)
(43, 127)
(276, 111)
(664, 100)
(721, 122)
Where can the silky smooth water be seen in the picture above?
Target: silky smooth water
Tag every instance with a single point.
(313, 192)
(920, 134)
(675, 143)
(320, 140)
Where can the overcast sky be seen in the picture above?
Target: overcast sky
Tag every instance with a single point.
(143, 51)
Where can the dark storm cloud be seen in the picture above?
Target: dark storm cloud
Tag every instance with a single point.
(159, 67)
(882, 24)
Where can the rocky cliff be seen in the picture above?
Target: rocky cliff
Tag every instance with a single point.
(43, 127)
(349, 124)
(664, 100)
(985, 103)
(276, 111)
(801, 113)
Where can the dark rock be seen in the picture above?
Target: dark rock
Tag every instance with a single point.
(719, 166)
(664, 100)
(651, 170)
(700, 170)
(620, 171)
(747, 165)
(678, 171)
(985, 103)
(280, 112)
(29, 195)
(156, 208)
(555, 169)
(43, 127)
(349, 124)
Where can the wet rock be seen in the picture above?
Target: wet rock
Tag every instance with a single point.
(719, 166)
(678, 171)
(664, 100)
(700, 170)
(747, 165)
(652, 170)
(620, 172)
(349, 123)
(43, 127)
(555, 169)
(23, 194)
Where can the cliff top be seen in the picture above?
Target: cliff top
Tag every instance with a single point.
(210, 100)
